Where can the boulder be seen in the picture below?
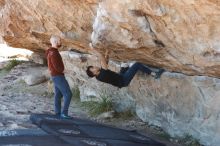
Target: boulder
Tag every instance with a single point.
(37, 58)
(180, 104)
(180, 36)
(34, 79)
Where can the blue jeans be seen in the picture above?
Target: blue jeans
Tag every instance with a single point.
(61, 89)
(130, 73)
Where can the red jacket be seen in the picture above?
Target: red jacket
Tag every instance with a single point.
(55, 62)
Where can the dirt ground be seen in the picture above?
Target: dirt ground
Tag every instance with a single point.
(18, 101)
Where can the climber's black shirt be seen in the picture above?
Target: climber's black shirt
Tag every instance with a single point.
(110, 77)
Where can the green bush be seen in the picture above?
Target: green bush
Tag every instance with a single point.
(95, 108)
(12, 64)
(163, 135)
(125, 114)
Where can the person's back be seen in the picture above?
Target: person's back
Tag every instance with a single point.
(55, 62)
(110, 77)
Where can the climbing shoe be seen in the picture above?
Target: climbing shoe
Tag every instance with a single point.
(64, 116)
(158, 73)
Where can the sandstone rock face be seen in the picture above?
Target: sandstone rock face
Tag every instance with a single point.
(182, 105)
(181, 36)
(29, 24)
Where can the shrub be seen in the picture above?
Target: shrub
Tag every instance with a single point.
(12, 64)
(97, 107)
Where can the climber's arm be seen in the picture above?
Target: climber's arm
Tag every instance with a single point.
(104, 59)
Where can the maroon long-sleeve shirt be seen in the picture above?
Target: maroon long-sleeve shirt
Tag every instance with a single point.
(55, 62)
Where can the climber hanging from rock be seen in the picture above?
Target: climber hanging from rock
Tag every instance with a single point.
(121, 79)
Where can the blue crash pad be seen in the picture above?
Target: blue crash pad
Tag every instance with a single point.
(29, 137)
(84, 132)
